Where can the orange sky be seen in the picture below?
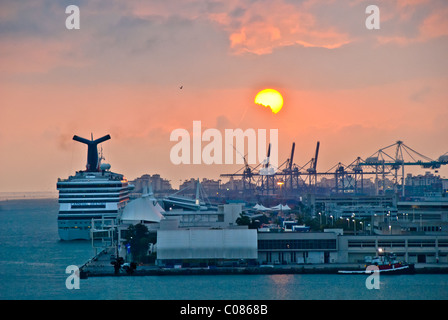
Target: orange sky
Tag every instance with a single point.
(354, 90)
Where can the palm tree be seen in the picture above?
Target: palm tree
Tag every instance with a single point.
(243, 220)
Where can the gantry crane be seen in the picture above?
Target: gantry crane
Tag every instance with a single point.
(350, 178)
(384, 163)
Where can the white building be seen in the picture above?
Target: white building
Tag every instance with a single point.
(212, 246)
(223, 217)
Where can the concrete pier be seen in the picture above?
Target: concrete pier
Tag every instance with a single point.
(100, 266)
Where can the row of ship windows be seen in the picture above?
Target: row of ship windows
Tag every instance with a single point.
(79, 222)
(110, 190)
(96, 200)
(90, 185)
(88, 211)
(92, 200)
(89, 217)
(92, 206)
(80, 225)
(99, 195)
(75, 227)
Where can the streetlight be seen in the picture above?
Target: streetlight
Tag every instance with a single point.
(280, 183)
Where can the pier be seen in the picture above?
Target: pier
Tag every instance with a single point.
(100, 266)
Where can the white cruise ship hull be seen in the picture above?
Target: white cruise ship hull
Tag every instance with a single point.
(88, 196)
(72, 232)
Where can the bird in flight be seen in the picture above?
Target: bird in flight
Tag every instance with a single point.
(181, 87)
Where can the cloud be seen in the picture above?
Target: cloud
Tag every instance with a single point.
(420, 95)
(37, 56)
(261, 26)
(435, 25)
(408, 22)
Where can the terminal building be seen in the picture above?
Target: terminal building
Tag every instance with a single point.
(409, 248)
(334, 247)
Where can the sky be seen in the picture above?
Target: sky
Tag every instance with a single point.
(353, 89)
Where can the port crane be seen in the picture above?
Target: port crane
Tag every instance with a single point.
(292, 179)
(384, 162)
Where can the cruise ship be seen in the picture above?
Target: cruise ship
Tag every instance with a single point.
(96, 193)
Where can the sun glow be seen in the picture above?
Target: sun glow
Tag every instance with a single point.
(270, 98)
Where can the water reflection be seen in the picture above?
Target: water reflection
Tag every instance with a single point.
(281, 286)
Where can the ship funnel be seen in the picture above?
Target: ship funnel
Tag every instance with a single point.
(92, 151)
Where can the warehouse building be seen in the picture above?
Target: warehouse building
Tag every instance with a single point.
(409, 248)
(204, 247)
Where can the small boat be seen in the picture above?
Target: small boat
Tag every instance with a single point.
(386, 264)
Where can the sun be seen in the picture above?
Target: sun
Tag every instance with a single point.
(270, 98)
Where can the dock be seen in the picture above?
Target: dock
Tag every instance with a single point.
(100, 266)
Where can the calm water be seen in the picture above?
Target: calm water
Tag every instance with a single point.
(33, 262)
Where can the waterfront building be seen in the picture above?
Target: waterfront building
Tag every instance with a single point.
(210, 237)
(205, 246)
(334, 247)
(427, 216)
(346, 205)
(225, 215)
(409, 248)
(297, 247)
(427, 209)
